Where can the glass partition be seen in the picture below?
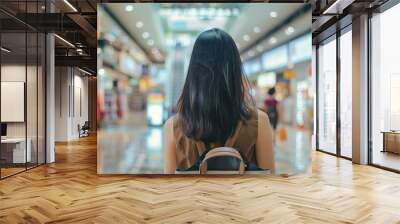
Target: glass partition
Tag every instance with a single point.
(327, 96)
(346, 94)
(385, 89)
(22, 77)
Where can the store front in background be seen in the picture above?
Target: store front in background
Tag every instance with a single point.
(385, 89)
(22, 101)
(288, 69)
(334, 94)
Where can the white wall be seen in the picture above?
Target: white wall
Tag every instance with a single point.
(70, 83)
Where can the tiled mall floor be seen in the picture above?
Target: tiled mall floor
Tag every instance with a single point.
(136, 148)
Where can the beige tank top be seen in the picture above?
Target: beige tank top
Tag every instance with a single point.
(189, 150)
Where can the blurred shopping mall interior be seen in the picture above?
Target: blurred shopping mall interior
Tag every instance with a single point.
(87, 85)
(142, 69)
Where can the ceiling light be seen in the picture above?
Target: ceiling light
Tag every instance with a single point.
(273, 14)
(235, 11)
(260, 48)
(139, 24)
(102, 71)
(84, 71)
(129, 8)
(65, 41)
(246, 37)
(5, 50)
(256, 29)
(43, 7)
(272, 40)
(289, 30)
(70, 5)
(150, 42)
(145, 35)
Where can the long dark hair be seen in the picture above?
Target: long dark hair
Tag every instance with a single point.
(213, 97)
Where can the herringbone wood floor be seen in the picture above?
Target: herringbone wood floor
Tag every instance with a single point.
(70, 191)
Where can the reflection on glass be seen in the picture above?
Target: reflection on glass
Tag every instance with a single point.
(327, 97)
(385, 89)
(346, 94)
(15, 149)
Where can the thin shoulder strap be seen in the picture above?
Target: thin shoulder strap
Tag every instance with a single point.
(231, 140)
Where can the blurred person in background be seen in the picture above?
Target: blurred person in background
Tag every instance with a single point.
(214, 110)
(273, 109)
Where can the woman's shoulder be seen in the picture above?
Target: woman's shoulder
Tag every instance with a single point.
(170, 122)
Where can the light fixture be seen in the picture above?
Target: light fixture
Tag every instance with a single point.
(129, 8)
(5, 50)
(64, 40)
(102, 71)
(70, 5)
(260, 48)
(150, 42)
(256, 29)
(289, 30)
(333, 6)
(139, 24)
(235, 11)
(273, 14)
(272, 40)
(43, 7)
(246, 37)
(145, 35)
(84, 71)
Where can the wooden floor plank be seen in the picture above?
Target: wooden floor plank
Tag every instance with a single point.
(70, 191)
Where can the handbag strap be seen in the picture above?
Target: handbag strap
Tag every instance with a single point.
(222, 151)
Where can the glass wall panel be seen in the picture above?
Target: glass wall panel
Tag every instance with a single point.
(14, 151)
(327, 96)
(385, 84)
(346, 94)
(22, 89)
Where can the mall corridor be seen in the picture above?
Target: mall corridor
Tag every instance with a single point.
(70, 191)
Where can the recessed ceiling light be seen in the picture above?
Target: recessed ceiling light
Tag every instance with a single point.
(235, 11)
(289, 30)
(139, 24)
(5, 49)
(272, 40)
(150, 42)
(260, 48)
(129, 8)
(70, 5)
(246, 37)
(256, 29)
(145, 35)
(273, 14)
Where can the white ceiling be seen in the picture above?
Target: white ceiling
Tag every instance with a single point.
(252, 16)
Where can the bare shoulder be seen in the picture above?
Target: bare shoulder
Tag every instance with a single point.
(169, 123)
